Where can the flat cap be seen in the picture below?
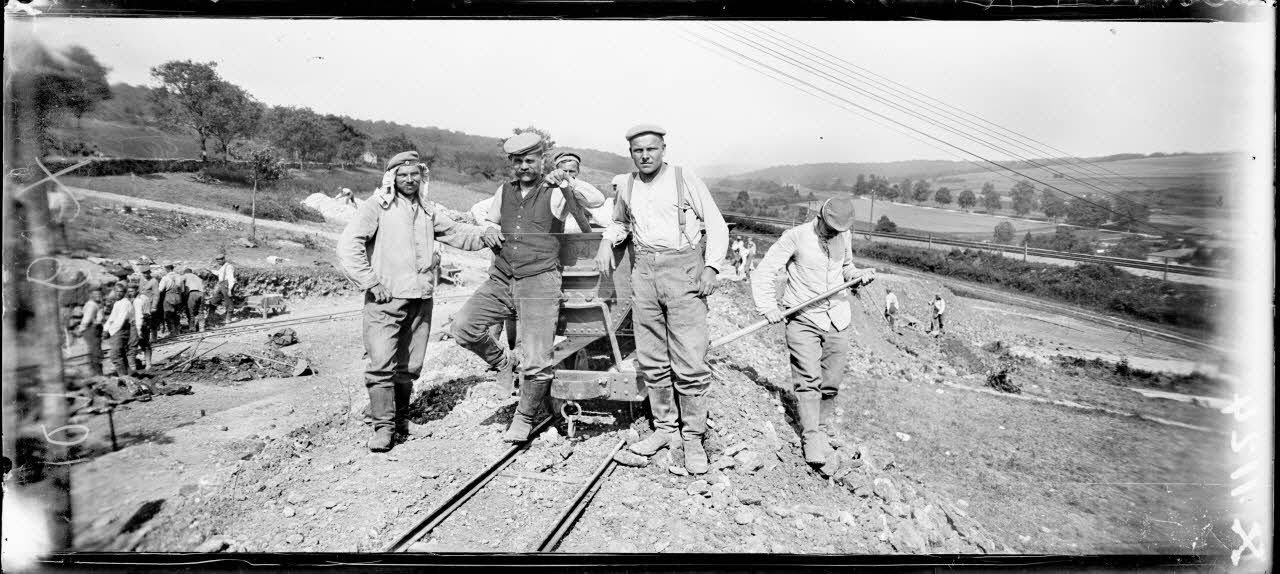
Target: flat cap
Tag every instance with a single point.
(642, 129)
(567, 156)
(522, 143)
(220, 258)
(838, 213)
(402, 158)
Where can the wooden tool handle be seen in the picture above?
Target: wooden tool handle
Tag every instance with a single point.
(862, 275)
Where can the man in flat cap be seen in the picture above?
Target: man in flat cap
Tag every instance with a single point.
(524, 281)
(570, 163)
(818, 256)
(389, 250)
(679, 239)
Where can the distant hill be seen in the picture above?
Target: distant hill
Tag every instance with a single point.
(126, 126)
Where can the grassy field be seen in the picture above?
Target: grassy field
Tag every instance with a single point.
(122, 139)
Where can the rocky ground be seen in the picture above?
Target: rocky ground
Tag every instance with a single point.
(945, 462)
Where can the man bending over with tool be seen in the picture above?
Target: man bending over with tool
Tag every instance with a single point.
(524, 281)
(389, 251)
(818, 257)
(679, 241)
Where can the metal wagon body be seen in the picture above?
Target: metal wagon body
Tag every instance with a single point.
(594, 352)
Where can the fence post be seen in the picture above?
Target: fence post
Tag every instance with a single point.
(1166, 268)
(1024, 252)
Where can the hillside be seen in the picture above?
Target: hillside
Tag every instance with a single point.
(126, 126)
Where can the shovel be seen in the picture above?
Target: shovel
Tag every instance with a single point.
(300, 368)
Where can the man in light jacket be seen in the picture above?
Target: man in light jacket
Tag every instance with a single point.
(389, 251)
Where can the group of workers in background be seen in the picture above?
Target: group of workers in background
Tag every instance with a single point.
(136, 311)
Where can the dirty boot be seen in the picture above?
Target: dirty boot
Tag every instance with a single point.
(404, 393)
(381, 441)
(693, 422)
(532, 395)
(382, 409)
(662, 403)
(816, 446)
(827, 423)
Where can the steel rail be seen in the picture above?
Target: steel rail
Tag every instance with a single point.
(455, 501)
(580, 501)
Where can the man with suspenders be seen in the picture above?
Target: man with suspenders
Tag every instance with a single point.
(524, 281)
(679, 240)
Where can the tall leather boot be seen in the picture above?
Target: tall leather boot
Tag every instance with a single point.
(662, 403)
(382, 407)
(816, 446)
(693, 420)
(532, 396)
(404, 394)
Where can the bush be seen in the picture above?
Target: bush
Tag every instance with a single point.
(1096, 286)
(228, 172)
(886, 225)
(275, 207)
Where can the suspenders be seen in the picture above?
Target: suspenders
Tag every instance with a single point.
(682, 198)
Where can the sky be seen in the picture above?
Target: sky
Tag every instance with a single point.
(1087, 88)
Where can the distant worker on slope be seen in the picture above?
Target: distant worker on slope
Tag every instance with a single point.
(939, 307)
(818, 257)
(891, 308)
(389, 251)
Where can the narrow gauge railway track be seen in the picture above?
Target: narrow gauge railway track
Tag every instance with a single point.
(459, 498)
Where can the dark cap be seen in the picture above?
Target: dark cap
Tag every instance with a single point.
(522, 143)
(567, 156)
(837, 212)
(402, 158)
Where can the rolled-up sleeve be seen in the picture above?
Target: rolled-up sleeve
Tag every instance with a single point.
(763, 290)
(494, 216)
(848, 268)
(714, 226)
(620, 227)
(352, 253)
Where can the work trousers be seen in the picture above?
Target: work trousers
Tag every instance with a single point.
(670, 321)
(818, 358)
(395, 339)
(123, 348)
(195, 302)
(93, 342)
(937, 320)
(172, 309)
(534, 303)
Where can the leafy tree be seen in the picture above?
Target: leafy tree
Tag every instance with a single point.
(886, 225)
(300, 132)
(920, 193)
(387, 146)
(1024, 197)
(1052, 203)
(943, 196)
(967, 199)
(265, 168)
(904, 188)
(1131, 212)
(1004, 232)
(192, 95)
(892, 192)
(860, 186)
(88, 82)
(1027, 239)
(990, 197)
(811, 197)
(1089, 211)
(43, 81)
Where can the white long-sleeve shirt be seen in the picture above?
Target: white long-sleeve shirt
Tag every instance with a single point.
(227, 273)
(890, 301)
(655, 217)
(124, 310)
(93, 314)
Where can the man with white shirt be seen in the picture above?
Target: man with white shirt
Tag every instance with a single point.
(939, 307)
(225, 284)
(891, 308)
(531, 211)
(679, 240)
(91, 330)
(122, 327)
(817, 256)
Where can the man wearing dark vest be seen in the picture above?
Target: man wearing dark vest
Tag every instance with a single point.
(524, 281)
(679, 239)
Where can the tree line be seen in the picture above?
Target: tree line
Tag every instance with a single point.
(1089, 210)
